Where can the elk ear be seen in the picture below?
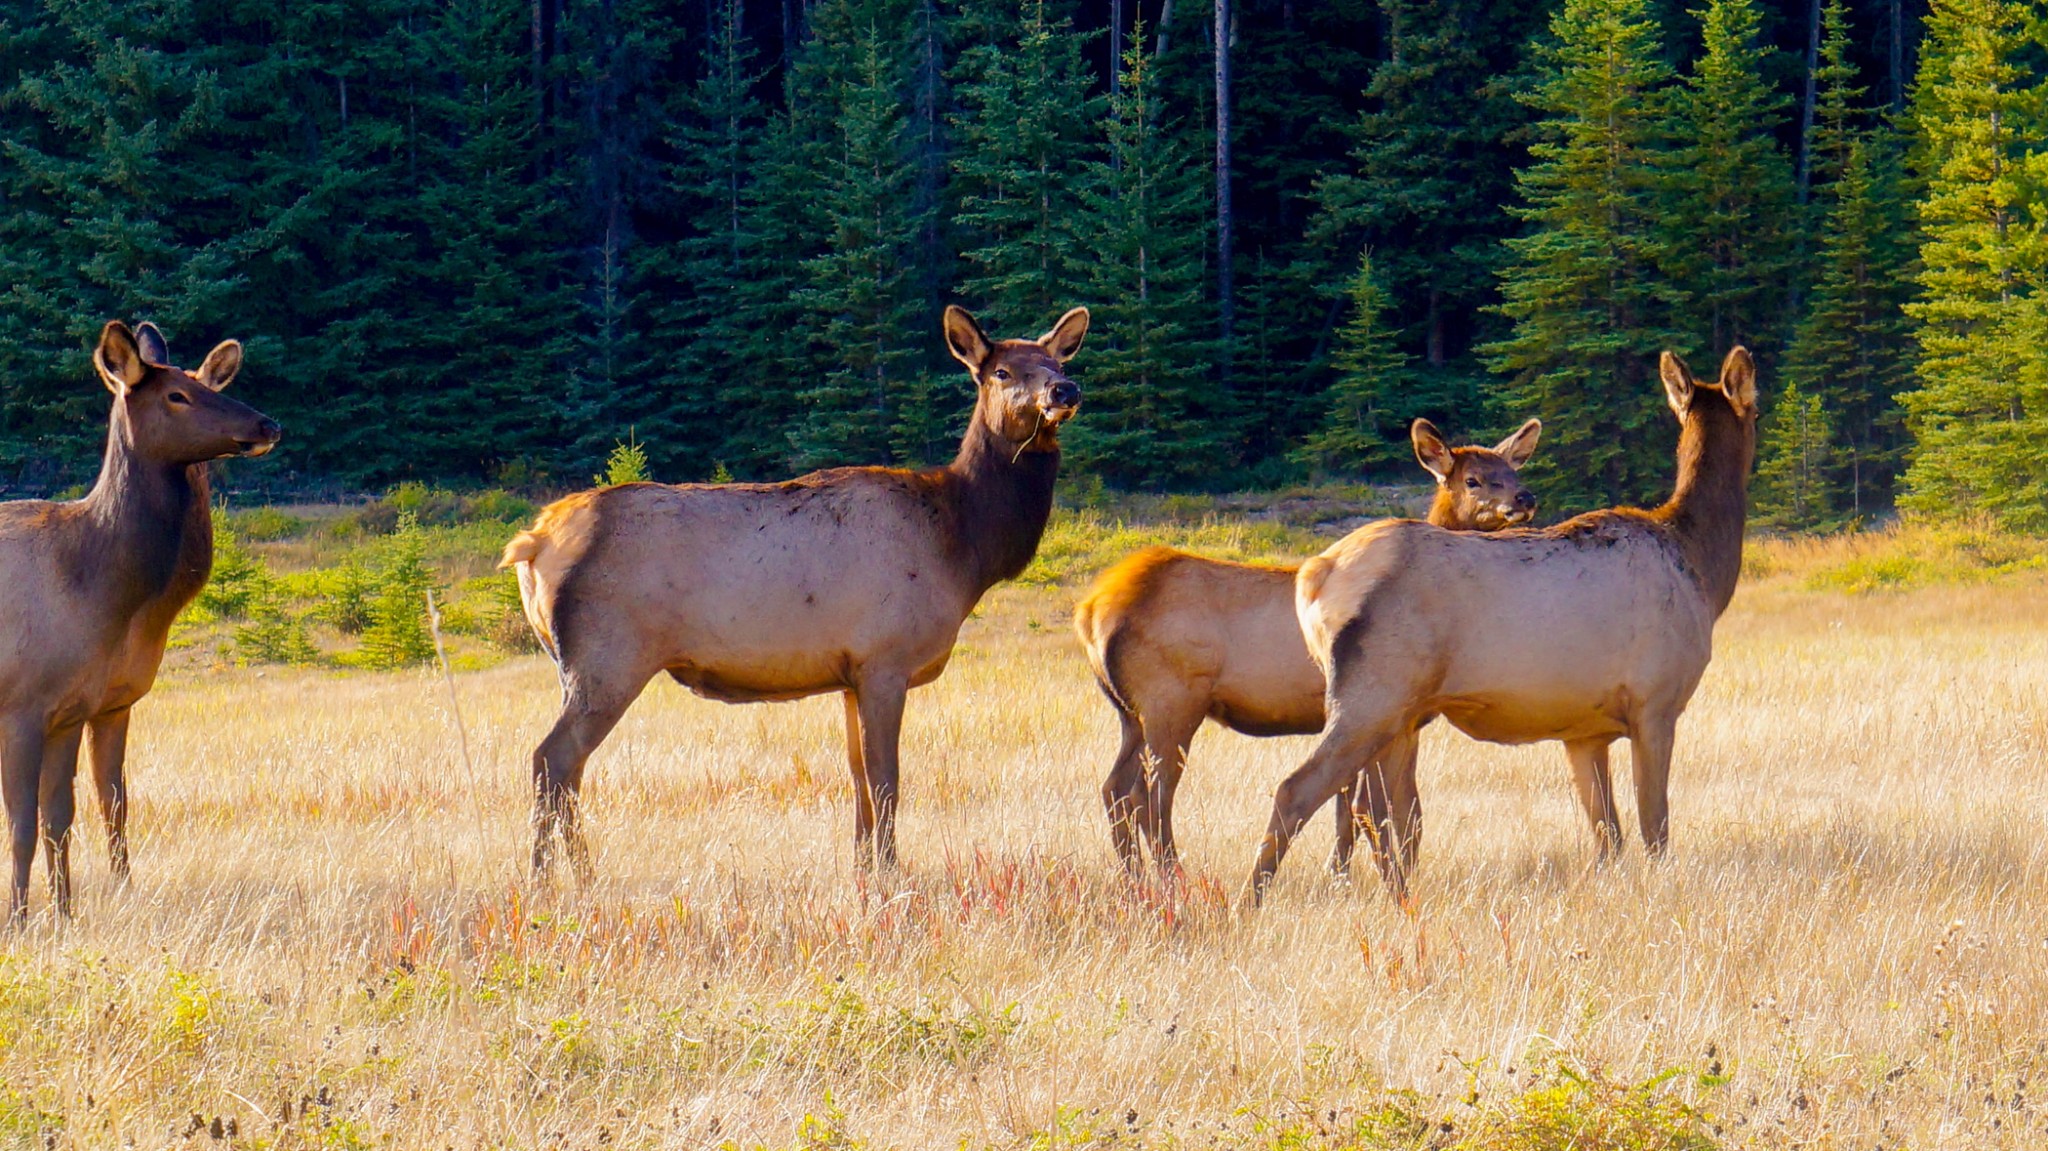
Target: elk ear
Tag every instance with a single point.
(1066, 336)
(964, 338)
(1738, 380)
(1678, 383)
(1517, 449)
(118, 359)
(1431, 450)
(221, 365)
(151, 342)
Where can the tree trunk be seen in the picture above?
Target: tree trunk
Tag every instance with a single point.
(1116, 47)
(1165, 22)
(1898, 55)
(1224, 304)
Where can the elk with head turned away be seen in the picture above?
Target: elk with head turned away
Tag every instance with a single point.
(1175, 639)
(851, 580)
(93, 585)
(1597, 628)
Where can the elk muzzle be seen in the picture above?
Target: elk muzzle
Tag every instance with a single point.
(1063, 399)
(268, 432)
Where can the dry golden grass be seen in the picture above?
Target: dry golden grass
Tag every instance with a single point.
(330, 941)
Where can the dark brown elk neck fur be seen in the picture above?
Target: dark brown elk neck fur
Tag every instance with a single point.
(151, 543)
(1710, 503)
(1000, 500)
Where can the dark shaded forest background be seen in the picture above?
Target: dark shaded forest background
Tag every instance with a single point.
(482, 241)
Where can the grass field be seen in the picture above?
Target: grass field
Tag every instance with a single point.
(330, 941)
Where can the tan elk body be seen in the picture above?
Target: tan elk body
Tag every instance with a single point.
(1177, 639)
(92, 586)
(853, 580)
(1586, 632)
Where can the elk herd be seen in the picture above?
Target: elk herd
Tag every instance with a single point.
(857, 581)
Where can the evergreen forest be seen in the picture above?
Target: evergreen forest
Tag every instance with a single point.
(485, 241)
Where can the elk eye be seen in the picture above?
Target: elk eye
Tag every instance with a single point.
(1002, 373)
(1470, 482)
(179, 398)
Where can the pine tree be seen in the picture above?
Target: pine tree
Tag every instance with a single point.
(1731, 190)
(863, 287)
(1795, 458)
(1368, 401)
(1584, 289)
(717, 290)
(1024, 100)
(1156, 412)
(1980, 414)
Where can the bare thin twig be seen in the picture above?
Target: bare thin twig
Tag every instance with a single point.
(476, 802)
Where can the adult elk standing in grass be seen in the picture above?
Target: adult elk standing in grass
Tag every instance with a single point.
(1176, 639)
(1594, 629)
(853, 580)
(93, 585)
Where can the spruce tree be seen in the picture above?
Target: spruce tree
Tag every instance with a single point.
(1425, 190)
(1980, 414)
(1025, 103)
(1157, 414)
(1731, 190)
(862, 289)
(1584, 286)
(1370, 399)
(1795, 461)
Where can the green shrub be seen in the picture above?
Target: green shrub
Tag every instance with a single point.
(238, 579)
(266, 524)
(398, 634)
(275, 634)
(626, 465)
(488, 608)
(496, 505)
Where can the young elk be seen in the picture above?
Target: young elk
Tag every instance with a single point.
(854, 580)
(92, 587)
(1176, 639)
(1585, 632)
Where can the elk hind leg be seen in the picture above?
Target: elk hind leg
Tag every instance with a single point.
(1650, 741)
(1122, 791)
(1332, 765)
(109, 744)
(590, 709)
(21, 767)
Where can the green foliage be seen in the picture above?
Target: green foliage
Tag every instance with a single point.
(1794, 458)
(238, 579)
(1368, 404)
(1730, 191)
(627, 463)
(1586, 289)
(266, 524)
(398, 634)
(275, 633)
(1980, 413)
(1157, 412)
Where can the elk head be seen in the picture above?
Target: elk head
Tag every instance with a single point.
(1481, 486)
(170, 416)
(1737, 384)
(1025, 394)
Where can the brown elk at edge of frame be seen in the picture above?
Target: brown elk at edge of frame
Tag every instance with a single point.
(853, 580)
(93, 585)
(1176, 639)
(1594, 629)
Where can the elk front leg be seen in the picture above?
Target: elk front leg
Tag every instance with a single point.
(1595, 785)
(1650, 742)
(21, 768)
(109, 744)
(58, 802)
(879, 699)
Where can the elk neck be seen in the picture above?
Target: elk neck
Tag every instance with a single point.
(1001, 502)
(152, 537)
(1710, 503)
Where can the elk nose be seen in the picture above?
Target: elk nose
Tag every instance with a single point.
(1066, 394)
(270, 430)
(1525, 501)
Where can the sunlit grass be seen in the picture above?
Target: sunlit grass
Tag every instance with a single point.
(331, 942)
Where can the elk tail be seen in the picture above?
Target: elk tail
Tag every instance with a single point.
(536, 598)
(1308, 608)
(1102, 653)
